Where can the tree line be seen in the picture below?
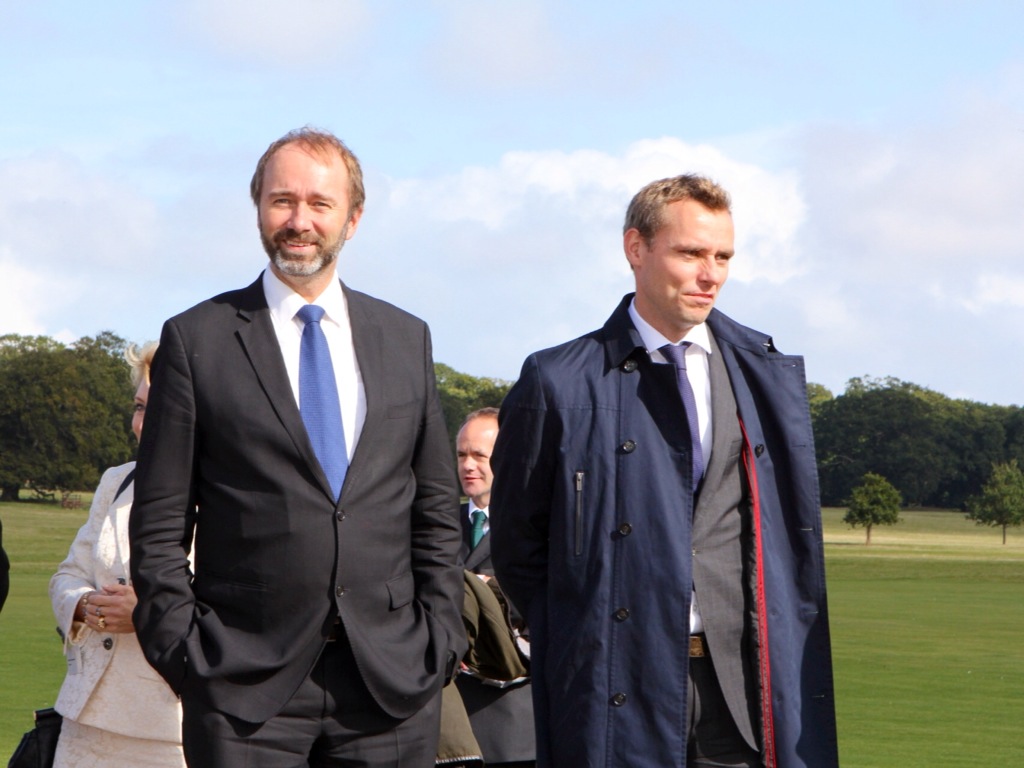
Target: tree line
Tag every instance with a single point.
(936, 451)
(65, 416)
(65, 411)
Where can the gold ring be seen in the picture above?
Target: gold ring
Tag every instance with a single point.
(102, 623)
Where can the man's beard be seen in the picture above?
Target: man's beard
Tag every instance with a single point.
(296, 266)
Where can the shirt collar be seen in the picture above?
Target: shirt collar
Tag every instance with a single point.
(473, 508)
(283, 302)
(653, 340)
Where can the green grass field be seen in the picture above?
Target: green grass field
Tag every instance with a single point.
(927, 631)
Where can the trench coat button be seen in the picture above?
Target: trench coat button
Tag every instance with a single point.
(629, 446)
(629, 366)
(622, 614)
(618, 699)
(108, 643)
(625, 529)
(758, 449)
(340, 591)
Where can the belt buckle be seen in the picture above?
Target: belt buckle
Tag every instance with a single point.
(698, 648)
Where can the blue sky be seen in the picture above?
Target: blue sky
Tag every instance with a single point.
(875, 152)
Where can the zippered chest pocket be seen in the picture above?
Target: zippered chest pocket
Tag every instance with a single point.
(578, 479)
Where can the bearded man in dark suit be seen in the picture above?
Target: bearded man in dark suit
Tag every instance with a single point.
(306, 453)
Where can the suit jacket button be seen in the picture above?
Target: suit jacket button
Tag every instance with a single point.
(340, 591)
(622, 614)
(108, 643)
(340, 515)
(618, 699)
(758, 450)
(629, 446)
(625, 529)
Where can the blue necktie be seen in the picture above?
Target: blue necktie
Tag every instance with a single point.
(479, 518)
(318, 399)
(677, 356)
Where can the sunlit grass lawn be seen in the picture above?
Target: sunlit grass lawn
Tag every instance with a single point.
(928, 642)
(36, 538)
(927, 632)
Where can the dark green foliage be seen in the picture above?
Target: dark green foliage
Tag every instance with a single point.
(64, 412)
(935, 450)
(873, 502)
(461, 394)
(1001, 501)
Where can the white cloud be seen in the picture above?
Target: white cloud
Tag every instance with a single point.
(536, 240)
(497, 44)
(289, 36)
(24, 296)
(994, 290)
(54, 212)
(588, 185)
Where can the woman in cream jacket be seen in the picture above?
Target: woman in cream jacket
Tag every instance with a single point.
(117, 710)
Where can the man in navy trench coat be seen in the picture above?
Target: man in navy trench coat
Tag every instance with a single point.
(668, 557)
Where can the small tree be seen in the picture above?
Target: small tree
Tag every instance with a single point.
(1001, 501)
(874, 502)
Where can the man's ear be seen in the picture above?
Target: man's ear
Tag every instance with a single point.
(633, 243)
(353, 222)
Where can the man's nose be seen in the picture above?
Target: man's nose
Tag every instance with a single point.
(299, 220)
(712, 271)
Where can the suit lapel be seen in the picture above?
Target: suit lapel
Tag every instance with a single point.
(726, 437)
(480, 554)
(472, 556)
(467, 532)
(368, 341)
(122, 509)
(259, 340)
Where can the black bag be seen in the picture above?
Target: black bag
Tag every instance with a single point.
(38, 746)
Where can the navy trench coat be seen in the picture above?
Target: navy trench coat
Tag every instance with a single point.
(584, 471)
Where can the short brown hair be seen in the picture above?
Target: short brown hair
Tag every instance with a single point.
(320, 144)
(645, 209)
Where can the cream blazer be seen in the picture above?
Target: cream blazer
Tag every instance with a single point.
(109, 684)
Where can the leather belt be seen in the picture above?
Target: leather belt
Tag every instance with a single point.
(698, 646)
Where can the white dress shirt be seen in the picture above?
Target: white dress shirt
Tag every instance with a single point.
(487, 515)
(698, 371)
(284, 303)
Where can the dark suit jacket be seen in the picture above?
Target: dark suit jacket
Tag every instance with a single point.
(502, 718)
(276, 559)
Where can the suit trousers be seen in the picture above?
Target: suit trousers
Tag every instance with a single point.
(332, 720)
(714, 740)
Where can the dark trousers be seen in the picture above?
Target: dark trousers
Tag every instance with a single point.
(332, 720)
(714, 741)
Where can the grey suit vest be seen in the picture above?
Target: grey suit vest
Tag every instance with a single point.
(721, 563)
